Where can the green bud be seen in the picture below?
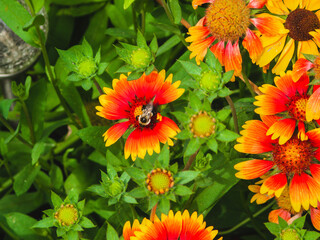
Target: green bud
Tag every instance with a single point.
(21, 91)
(114, 188)
(203, 163)
(140, 58)
(87, 67)
(210, 80)
(290, 234)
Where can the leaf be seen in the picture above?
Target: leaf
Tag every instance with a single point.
(44, 223)
(176, 10)
(111, 233)
(227, 136)
(273, 228)
(56, 177)
(16, 17)
(80, 10)
(5, 105)
(154, 44)
(86, 223)
(164, 156)
(121, 32)
(37, 150)
(141, 41)
(186, 176)
(86, 48)
(311, 235)
(227, 76)
(25, 178)
(127, 3)
(193, 145)
(93, 137)
(181, 190)
(21, 225)
(195, 102)
(136, 173)
(128, 199)
(164, 205)
(192, 69)
(139, 192)
(167, 45)
(35, 21)
(213, 62)
(102, 67)
(55, 199)
(212, 144)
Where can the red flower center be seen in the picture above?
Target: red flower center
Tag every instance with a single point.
(297, 107)
(142, 114)
(294, 156)
(228, 20)
(300, 22)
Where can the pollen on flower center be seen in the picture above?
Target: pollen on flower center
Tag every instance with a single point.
(300, 22)
(294, 156)
(66, 215)
(202, 125)
(139, 117)
(228, 20)
(297, 107)
(284, 201)
(159, 181)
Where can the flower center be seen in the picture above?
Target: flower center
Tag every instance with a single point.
(294, 156)
(300, 22)
(228, 20)
(210, 80)
(142, 114)
(202, 125)
(289, 234)
(284, 201)
(159, 181)
(66, 215)
(297, 107)
(140, 58)
(316, 67)
(87, 67)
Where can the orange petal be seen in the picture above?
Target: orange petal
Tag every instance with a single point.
(274, 185)
(282, 129)
(115, 132)
(285, 58)
(275, 214)
(314, 137)
(269, 25)
(196, 3)
(301, 67)
(313, 106)
(302, 131)
(253, 168)
(307, 47)
(315, 217)
(233, 57)
(315, 172)
(256, 3)
(299, 192)
(277, 7)
(219, 51)
(128, 231)
(253, 44)
(199, 48)
(269, 120)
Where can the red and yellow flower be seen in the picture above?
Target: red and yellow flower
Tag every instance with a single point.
(138, 101)
(290, 100)
(295, 163)
(303, 65)
(171, 226)
(291, 27)
(315, 216)
(226, 22)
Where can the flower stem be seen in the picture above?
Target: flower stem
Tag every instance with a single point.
(246, 81)
(252, 86)
(190, 161)
(153, 212)
(49, 70)
(29, 120)
(97, 86)
(234, 114)
(20, 138)
(247, 219)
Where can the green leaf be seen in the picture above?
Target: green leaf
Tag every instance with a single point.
(102, 67)
(192, 69)
(212, 144)
(25, 178)
(154, 44)
(167, 45)
(139, 192)
(37, 150)
(5, 105)
(93, 137)
(164, 205)
(227, 76)
(16, 17)
(136, 173)
(283, 223)
(141, 41)
(176, 10)
(56, 177)
(134, 76)
(193, 145)
(86, 48)
(55, 199)
(184, 134)
(74, 77)
(213, 62)
(21, 225)
(195, 102)
(72, 235)
(310, 57)
(120, 32)
(182, 117)
(223, 114)
(86, 223)
(98, 189)
(35, 21)
(127, 3)
(311, 235)
(227, 136)
(37, 5)
(186, 176)
(299, 223)
(181, 190)
(111, 233)
(80, 10)
(164, 156)
(44, 223)
(273, 228)
(128, 199)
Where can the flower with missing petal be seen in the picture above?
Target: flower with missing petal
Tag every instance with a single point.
(292, 101)
(226, 22)
(295, 163)
(171, 226)
(138, 101)
(291, 27)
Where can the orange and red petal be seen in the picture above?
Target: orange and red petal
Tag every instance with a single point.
(115, 132)
(219, 51)
(253, 44)
(173, 224)
(234, 59)
(315, 217)
(199, 48)
(301, 67)
(304, 191)
(254, 139)
(302, 131)
(274, 185)
(196, 3)
(253, 168)
(269, 120)
(315, 171)
(275, 214)
(282, 129)
(271, 102)
(256, 3)
(314, 137)
(286, 84)
(129, 231)
(269, 25)
(313, 106)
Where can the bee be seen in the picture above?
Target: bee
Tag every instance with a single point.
(147, 113)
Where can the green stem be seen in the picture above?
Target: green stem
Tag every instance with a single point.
(97, 86)
(134, 18)
(29, 120)
(247, 219)
(7, 125)
(234, 113)
(143, 21)
(190, 161)
(246, 81)
(49, 70)
(4, 161)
